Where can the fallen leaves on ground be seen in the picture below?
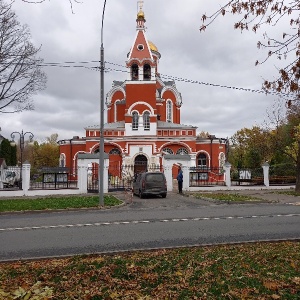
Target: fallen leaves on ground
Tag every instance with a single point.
(248, 271)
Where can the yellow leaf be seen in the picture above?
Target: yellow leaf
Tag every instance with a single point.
(293, 265)
(114, 295)
(296, 280)
(274, 296)
(27, 296)
(178, 273)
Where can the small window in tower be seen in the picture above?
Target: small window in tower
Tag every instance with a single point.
(140, 47)
(135, 121)
(135, 72)
(169, 111)
(147, 72)
(146, 120)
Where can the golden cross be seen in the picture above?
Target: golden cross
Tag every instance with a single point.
(140, 3)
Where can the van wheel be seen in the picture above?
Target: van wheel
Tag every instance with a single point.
(141, 195)
(164, 195)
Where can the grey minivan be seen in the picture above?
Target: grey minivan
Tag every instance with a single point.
(150, 183)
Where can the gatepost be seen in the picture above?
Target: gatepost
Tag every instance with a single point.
(172, 159)
(266, 167)
(84, 159)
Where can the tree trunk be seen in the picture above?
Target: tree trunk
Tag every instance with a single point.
(297, 189)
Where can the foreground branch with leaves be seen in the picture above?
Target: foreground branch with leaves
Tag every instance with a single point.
(283, 15)
(247, 271)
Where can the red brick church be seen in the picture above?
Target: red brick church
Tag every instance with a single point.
(143, 120)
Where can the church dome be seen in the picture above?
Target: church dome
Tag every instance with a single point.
(152, 46)
(141, 15)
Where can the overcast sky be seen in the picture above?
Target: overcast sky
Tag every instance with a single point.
(71, 101)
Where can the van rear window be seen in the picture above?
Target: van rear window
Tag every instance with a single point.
(155, 177)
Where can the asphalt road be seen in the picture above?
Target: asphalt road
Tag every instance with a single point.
(145, 224)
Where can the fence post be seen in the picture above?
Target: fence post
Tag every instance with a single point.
(25, 177)
(82, 168)
(266, 168)
(227, 167)
(105, 175)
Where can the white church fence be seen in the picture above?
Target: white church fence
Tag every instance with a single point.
(85, 161)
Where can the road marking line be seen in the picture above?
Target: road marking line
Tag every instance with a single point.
(144, 222)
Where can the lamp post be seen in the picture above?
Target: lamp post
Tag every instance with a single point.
(101, 141)
(22, 144)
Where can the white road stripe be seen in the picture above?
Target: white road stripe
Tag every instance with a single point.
(143, 222)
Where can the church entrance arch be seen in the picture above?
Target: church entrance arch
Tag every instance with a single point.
(140, 164)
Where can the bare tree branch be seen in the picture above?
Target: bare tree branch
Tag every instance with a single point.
(20, 71)
(41, 1)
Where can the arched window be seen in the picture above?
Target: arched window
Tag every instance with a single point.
(116, 110)
(222, 160)
(169, 111)
(182, 151)
(147, 72)
(114, 151)
(62, 160)
(168, 150)
(135, 72)
(202, 160)
(135, 121)
(146, 120)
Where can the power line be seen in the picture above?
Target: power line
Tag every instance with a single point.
(84, 64)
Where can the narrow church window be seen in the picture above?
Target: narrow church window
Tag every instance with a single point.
(146, 120)
(147, 72)
(135, 121)
(135, 72)
(202, 160)
(182, 151)
(62, 160)
(169, 111)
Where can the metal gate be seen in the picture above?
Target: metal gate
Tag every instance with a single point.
(203, 176)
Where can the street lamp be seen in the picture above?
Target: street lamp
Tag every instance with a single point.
(22, 144)
(101, 141)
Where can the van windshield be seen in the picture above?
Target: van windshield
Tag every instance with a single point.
(155, 177)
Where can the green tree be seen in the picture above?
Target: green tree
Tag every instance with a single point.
(251, 147)
(8, 153)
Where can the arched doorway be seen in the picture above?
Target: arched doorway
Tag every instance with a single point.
(140, 164)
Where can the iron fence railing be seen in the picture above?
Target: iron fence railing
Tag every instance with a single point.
(201, 176)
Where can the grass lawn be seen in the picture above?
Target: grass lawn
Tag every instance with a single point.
(59, 202)
(228, 197)
(247, 271)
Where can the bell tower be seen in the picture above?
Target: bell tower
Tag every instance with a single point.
(140, 111)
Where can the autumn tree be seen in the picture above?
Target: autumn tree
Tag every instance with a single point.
(281, 15)
(45, 154)
(251, 147)
(20, 71)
